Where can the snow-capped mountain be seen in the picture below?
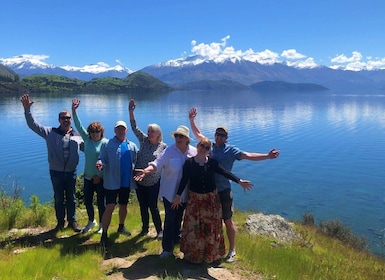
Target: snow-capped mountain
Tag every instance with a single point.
(25, 65)
(182, 71)
(245, 70)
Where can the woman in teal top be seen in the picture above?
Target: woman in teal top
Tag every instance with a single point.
(93, 138)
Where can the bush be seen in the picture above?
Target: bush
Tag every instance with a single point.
(308, 219)
(40, 212)
(336, 229)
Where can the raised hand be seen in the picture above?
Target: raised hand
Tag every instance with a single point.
(75, 104)
(131, 105)
(27, 103)
(192, 113)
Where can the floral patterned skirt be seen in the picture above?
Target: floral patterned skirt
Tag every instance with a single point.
(202, 233)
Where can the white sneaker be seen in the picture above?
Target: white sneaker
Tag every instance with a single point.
(100, 229)
(231, 256)
(89, 226)
(159, 236)
(165, 254)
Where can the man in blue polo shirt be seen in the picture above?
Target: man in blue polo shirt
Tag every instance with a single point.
(117, 160)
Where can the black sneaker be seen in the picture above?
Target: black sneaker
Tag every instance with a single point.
(74, 226)
(124, 231)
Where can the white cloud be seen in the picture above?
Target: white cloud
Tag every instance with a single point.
(220, 52)
(292, 54)
(357, 62)
(356, 56)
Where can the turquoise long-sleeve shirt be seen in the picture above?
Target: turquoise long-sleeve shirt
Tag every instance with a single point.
(91, 150)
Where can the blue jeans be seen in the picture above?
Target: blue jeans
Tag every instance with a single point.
(172, 225)
(148, 199)
(64, 194)
(89, 189)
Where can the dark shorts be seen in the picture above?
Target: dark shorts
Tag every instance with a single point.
(226, 198)
(122, 194)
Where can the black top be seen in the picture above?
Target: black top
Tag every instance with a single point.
(200, 178)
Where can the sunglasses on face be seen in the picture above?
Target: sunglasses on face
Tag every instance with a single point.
(94, 131)
(204, 146)
(65, 118)
(220, 134)
(176, 135)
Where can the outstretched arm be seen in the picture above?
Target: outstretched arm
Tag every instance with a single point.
(273, 153)
(195, 129)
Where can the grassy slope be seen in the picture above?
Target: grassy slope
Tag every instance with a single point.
(78, 256)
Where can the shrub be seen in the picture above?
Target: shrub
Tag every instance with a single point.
(40, 212)
(336, 229)
(308, 219)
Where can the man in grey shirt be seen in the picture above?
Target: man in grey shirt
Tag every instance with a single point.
(63, 145)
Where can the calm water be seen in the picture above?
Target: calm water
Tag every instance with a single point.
(332, 147)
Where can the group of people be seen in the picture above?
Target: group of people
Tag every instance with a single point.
(193, 182)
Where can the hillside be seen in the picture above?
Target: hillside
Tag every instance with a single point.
(136, 82)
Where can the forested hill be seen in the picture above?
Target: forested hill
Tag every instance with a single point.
(135, 82)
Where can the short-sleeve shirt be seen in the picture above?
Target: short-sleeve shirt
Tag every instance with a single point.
(225, 155)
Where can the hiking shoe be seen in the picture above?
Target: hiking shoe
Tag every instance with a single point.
(159, 235)
(89, 226)
(124, 231)
(230, 256)
(74, 226)
(165, 254)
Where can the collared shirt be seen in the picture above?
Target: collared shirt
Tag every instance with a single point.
(170, 163)
(110, 155)
(225, 155)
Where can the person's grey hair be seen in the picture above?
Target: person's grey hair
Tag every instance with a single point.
(156, 127)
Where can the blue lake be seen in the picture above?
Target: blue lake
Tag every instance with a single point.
(332, 147)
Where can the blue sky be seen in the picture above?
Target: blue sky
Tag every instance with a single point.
(138, 33)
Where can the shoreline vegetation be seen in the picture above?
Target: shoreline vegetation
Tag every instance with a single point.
(137, 82)
(30, 250)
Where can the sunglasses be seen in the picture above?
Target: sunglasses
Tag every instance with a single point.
(65, 118)
(220, 134)
(204, 147)
(94, 131)
(176, 135)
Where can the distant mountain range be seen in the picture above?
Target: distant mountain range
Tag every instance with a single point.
(201, 73)
(24, 67)
(181, 72)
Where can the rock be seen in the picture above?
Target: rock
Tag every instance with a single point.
(272, 226)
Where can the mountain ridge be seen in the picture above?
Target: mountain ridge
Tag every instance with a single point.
(195, 70)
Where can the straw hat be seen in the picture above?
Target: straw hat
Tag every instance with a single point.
(183, 130)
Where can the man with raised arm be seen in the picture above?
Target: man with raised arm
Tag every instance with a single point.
(63, 146)
(226, 154)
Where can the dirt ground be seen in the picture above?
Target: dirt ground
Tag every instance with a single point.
(140, 266)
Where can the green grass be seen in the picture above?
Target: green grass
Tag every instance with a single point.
(78, 256)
